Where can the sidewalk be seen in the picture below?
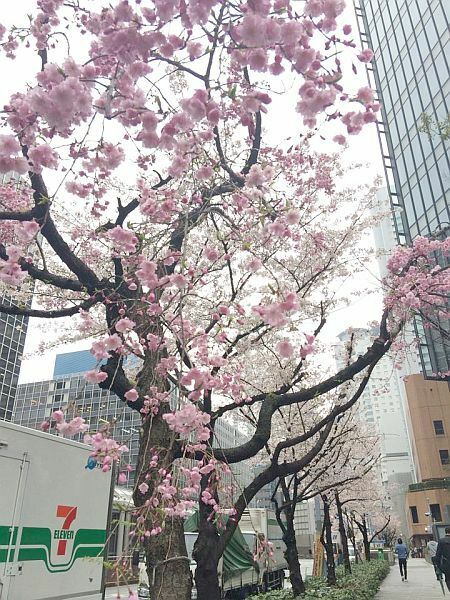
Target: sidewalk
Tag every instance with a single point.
(421, 583)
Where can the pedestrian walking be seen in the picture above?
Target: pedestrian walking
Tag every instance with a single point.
(442, 557)
(401, 550)
(432, 549)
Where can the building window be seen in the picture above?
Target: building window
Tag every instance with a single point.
(445, 459)
(438, 427)
(435, 510)
(414, 515)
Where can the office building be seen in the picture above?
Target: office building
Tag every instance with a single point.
(305, 527)
(381, 408)
(410, 71)
(428, 500)
(36, 401)
(70, 363)
(263, 498)
(13, 330)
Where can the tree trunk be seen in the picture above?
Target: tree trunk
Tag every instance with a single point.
(168, 569)
(207, 557)
(343, 532)
(288, 530)
(362, 526)
(327, 542)
(351, 534)
(365, 539)
(291, 555)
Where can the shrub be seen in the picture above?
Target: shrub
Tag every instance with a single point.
(362, 584)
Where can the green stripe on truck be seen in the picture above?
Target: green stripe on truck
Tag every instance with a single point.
(36, 543)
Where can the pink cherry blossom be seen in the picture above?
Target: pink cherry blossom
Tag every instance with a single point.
(124, 324)
(43, 156)
(95, 376)
(9, 161)
(143, 488)
(123, 239)
(285, 348)
(58, 416)
(122, 479)
(366, 55)
(211, 254)
(132, 395)
(365, 94)
(26, 230)
(73, 427)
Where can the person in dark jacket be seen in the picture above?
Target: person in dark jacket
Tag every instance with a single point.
(443, 556)
(401, 550)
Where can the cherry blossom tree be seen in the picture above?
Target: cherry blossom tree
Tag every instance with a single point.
(364, 506)
(151, 212)
(341, 461)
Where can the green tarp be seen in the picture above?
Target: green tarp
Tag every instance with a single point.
(237, 557)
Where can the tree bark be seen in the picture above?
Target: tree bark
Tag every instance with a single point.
(351, 534)
(291, 556)
(343, 532)
(206, 550)
(168, 569)
(288, 530)
(207, 558)
(365, 536)
(327, 542)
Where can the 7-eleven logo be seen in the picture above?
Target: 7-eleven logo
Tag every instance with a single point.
(68, 513)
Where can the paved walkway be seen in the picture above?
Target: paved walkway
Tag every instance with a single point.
(421, 583)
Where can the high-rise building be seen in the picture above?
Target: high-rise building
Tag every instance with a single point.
(70, 363)
(381, 408)
(410, 71)
(13, 330)
(428, 500)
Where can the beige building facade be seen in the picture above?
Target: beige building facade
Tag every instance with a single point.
(428, 501)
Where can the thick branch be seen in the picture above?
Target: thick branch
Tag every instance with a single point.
(272, 402)
(48, 314)
(52, 235)
(378, 348)
(45, 276)
(269, 474)
(17, 215)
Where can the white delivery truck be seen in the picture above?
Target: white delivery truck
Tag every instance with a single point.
(53, 517)
(249, 563)
(257, 526)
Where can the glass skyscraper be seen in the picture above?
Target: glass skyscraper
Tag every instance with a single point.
(13, 330)
(410, 71)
